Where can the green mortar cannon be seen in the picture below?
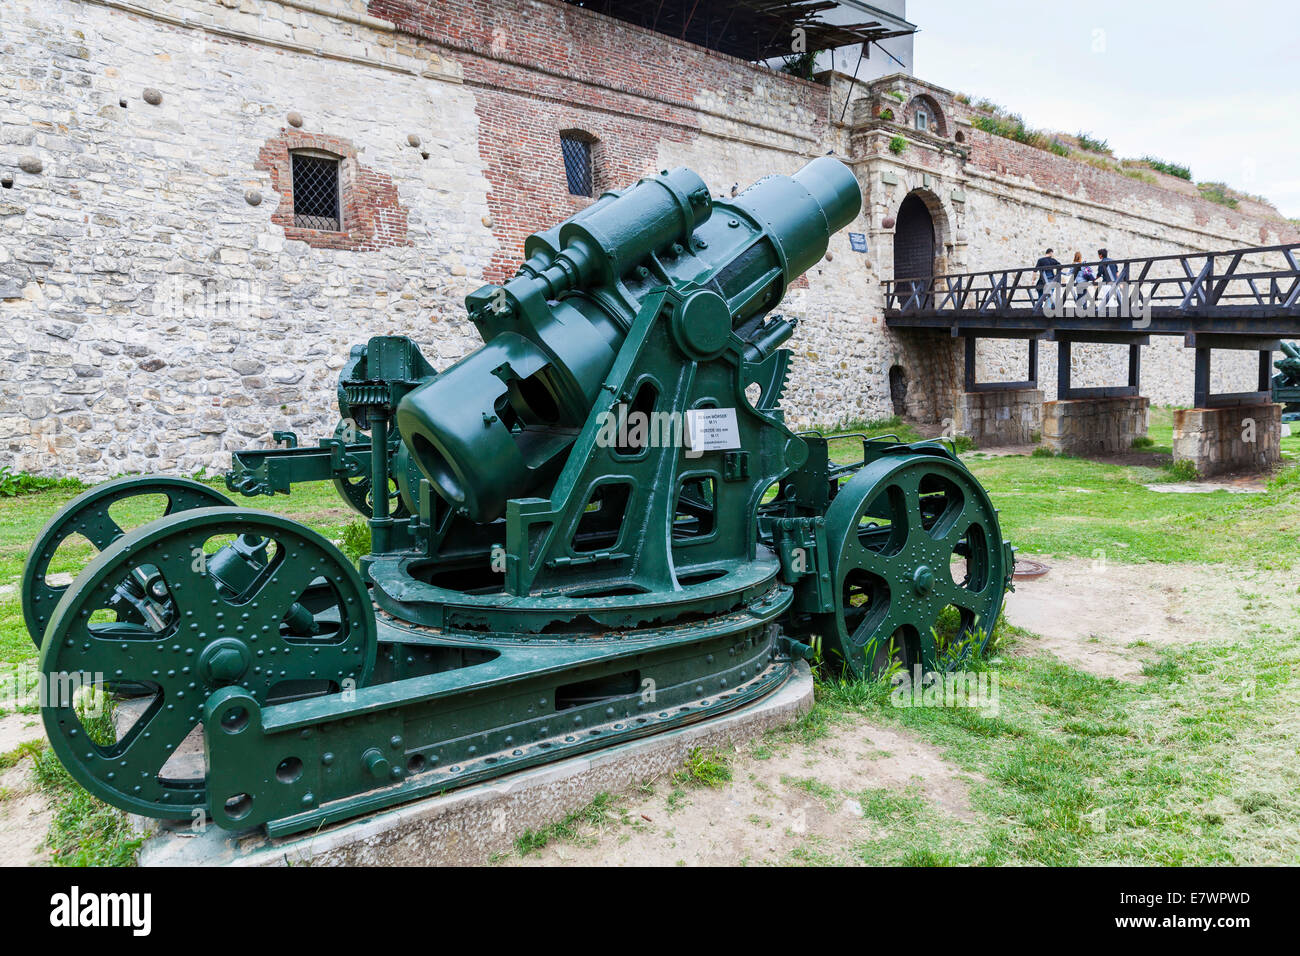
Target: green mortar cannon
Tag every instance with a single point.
(594, 527)
(1286, 383)
(503, 420)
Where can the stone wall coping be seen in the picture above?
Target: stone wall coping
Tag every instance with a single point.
(216, 29)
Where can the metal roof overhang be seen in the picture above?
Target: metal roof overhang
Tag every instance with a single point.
(755, 29)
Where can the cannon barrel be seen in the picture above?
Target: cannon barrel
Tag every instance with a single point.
(498, 423)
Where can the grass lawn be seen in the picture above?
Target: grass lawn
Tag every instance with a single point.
(1181, 767)
(1072, 506)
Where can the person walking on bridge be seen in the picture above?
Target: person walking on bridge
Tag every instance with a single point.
(1106, 268)
(1082, 273)
(1048, 271)
(1081, 276)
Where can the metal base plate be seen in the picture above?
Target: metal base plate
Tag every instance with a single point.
(470, 825)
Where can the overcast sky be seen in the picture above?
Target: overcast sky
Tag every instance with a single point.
(1210, 84)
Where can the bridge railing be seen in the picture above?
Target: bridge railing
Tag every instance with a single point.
(1262, 280)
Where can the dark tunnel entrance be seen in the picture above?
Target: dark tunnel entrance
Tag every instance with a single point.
(898, 390)
(913, 240)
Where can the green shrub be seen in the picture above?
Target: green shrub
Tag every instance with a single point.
(704, 768)
(1059, 148)
(961, 443)
(1143, 441)
(1217, 192)
(1093, 144)
(15, 483)
(1169, 169)
(356, 540)
(1042, 451)
(1013, 127)
(992, 125)
(898, 95)
(897, 145)
(887, 114)
(801, 64)
(1183, 470)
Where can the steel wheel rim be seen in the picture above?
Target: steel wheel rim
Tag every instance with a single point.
(186, 662)
(87, 515)
(894, 582)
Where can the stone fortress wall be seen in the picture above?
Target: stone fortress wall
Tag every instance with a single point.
(159, 309)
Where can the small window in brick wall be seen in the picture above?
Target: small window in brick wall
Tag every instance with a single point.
(923, 119)
(577, 164)
(316, 192)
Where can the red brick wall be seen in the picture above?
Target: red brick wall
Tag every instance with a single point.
(373, 217)
(540, 66)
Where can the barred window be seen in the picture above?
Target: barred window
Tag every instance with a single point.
(316, 192)
(577, 164)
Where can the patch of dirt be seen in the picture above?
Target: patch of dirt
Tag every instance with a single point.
(1145, 459)
(17, 729)
(25, 816)
(1134, 458)
(927, 429)
(1242, 485)
(24, 809)
(800, 795)
(999, 451)
(1109, 619)
(335, 514)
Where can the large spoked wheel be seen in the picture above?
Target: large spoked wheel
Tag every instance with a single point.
(88, 515)
(239, 598)
(919, 565)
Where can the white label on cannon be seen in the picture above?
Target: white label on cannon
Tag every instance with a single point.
(712, 429)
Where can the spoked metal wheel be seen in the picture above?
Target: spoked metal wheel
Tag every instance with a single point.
(88, 515)
(918, 563)
(240, 598)
(355, 489)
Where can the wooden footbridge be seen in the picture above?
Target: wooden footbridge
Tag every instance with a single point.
(1236, 299)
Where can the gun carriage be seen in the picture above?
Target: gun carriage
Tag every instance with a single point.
(594, 527)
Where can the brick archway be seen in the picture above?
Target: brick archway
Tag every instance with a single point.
(939, 121)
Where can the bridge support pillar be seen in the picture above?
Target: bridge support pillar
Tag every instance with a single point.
(1094, 426)
(1232, 438)
(999, 413)
(1003, 416)
(1100, 420)
(1236, 431)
